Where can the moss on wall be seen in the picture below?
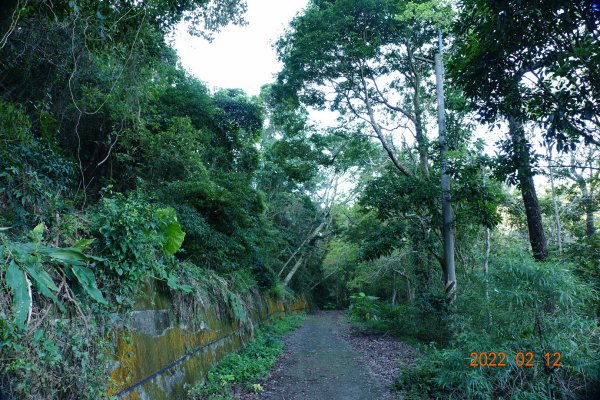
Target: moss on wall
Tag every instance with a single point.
(176, 351)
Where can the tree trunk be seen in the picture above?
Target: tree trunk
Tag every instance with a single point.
(587, 193)
(420, 136)
(419, 133)
(308, 239)
(590, 223)
(448, 227)
(394, 288)
(535, 225)
(554, 202)
(588, 203)
(292, 272)
(386, 146)
(486, 275)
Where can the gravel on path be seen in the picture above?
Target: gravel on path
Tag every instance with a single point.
(327, 359)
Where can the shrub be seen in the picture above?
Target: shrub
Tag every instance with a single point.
(585, 252)
(34, 176)
(46, 351)
(365, 308)
(532, 307)
(138, 238)
(423, 319)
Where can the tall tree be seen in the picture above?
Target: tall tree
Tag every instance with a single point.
(447, 219)
(543, 52)
(489, 40)
(365, 59)
(359, 58)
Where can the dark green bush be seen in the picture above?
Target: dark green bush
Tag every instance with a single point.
(585, 252)
(365, 308)
(53, 342)
(424, 319)
(34, 177)
(137, 237)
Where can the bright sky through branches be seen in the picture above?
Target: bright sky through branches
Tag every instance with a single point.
(244, 57)
(240, 56)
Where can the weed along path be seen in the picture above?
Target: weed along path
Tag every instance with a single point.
(318, 364)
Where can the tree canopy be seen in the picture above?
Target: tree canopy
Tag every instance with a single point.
(120, 170)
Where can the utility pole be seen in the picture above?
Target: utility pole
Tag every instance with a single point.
(448, 228)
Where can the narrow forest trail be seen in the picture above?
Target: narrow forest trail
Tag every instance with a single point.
(319, 364)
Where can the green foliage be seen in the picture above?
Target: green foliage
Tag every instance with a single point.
(172, 153)
(205, 286)
(17, 280)
(551, 305)
(498, 42)
(339, 264)
(34, 177)
(281, 292)
(364, 308)
(60, 358)
(170, 229)
(28, 265)
(251, 365)
(424, 320)
(322, 46)
(137, 238)
(243, 281)
(92, 101)
(437, 13)
(35, 348)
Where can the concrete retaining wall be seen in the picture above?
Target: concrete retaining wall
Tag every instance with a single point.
(161, 354)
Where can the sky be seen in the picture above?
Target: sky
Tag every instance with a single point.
(240, 56)
(244, 57)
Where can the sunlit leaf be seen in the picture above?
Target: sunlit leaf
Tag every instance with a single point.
(171, 230)
(82, 244)
(68, 255)
(37, 233)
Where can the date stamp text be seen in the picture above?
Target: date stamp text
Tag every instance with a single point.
(522, 359)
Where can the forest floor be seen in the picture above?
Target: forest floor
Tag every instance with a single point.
(328, 359)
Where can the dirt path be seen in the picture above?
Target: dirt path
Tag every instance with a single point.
(318, 364)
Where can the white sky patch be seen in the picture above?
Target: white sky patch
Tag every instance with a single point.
(243, 57)
(240, 56)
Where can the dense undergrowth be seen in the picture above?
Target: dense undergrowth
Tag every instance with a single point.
(246, 369)
(118, 170)
(521, 306)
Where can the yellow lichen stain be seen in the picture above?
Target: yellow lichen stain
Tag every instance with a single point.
(121, 377)
(140, 355)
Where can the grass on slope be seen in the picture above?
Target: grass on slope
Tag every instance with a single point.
(251, 365)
